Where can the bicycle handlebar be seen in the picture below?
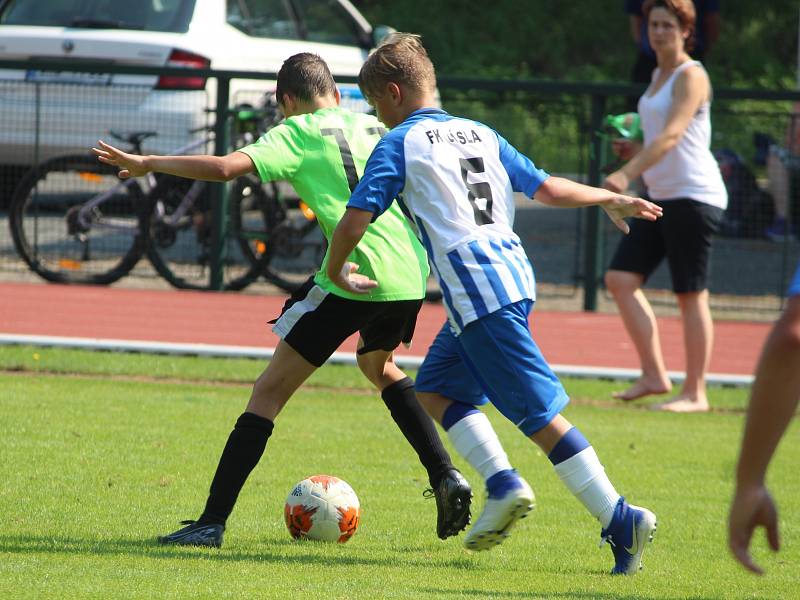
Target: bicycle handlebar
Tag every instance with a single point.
(242, 112)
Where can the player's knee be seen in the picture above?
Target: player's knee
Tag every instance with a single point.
(267, 397)
(789, 322)
(375, 379)
(618, 282)
(373, 371)
(434, 404)
(787, 335)
(426, 399)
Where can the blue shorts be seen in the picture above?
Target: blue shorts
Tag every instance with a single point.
(495, 359)
(794, 287)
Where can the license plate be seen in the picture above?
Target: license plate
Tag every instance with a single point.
(40, 76)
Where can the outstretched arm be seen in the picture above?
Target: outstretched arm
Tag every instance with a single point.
(773, 401)
(205, 167)
(351, 228)
(557, 191)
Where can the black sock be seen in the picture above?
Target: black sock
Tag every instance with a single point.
(418, 428)
(245, 446)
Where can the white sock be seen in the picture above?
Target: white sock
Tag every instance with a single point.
(586, 478)
(476, 440)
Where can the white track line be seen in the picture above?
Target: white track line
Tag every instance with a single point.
(347, 358)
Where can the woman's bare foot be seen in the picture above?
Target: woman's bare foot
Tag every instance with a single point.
(684, 403)
(644, 387)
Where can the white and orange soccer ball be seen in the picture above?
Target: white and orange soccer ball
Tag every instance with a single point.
(322, 507)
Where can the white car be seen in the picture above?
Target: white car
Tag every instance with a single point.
(46, 113)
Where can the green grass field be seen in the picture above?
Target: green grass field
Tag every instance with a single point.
(101, 452)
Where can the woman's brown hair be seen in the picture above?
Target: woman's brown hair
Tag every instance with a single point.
(683, 10)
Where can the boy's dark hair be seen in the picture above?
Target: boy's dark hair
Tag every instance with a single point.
(305, 76)
(401, 59)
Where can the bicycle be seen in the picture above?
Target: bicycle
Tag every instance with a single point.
(89, 236)
(72, 221)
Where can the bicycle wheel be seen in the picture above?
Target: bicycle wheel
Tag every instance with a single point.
(180, 227)
(256, 210)
(295, 251)
(74, 221)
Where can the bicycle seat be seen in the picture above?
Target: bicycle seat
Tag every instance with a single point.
(134, 138)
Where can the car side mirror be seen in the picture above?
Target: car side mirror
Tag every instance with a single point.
(380, 33)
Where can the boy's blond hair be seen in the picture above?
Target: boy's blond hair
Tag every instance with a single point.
(401, 59)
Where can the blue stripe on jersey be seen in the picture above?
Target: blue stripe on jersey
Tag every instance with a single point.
(477, 276)
(491, 273)
(448, 302)
(466, 280)
(521, 259)
(524, 270)
(513, 266)
(446, 294)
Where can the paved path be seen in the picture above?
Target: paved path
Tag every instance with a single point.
(566, 338)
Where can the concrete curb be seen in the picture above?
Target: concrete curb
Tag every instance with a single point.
(346, 358)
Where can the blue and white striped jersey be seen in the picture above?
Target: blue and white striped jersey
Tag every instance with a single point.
(455, 178)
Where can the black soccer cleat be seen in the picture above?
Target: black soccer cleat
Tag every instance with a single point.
(195, 534)
(453, 496)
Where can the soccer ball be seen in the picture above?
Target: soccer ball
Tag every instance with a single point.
(322, 507)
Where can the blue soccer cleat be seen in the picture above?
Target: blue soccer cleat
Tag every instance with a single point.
(628, 534)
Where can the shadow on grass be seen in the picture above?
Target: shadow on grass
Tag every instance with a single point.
(272, 551)
(532, 595)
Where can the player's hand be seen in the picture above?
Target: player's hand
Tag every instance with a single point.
(129, 165)
(751, 508)
(353, 282)
(619, 207)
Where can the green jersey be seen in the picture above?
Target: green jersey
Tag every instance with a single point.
(322, 155)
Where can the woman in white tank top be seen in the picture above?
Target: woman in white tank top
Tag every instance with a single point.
(683, 177)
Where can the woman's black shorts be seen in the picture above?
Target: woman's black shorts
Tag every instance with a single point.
(683, 235)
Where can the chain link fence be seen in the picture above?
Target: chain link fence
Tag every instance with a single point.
(50, 124)
(757, 248)
(555, 124)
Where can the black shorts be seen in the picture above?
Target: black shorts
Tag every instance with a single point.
(683, 234)
(315, 323)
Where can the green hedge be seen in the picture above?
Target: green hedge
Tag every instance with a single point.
(590, 41)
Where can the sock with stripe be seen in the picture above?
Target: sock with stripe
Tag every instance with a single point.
(576, 463)
(474, 438)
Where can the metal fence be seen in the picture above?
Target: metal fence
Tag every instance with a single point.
(556, 124)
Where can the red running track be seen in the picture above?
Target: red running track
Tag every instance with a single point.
(566, 338)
